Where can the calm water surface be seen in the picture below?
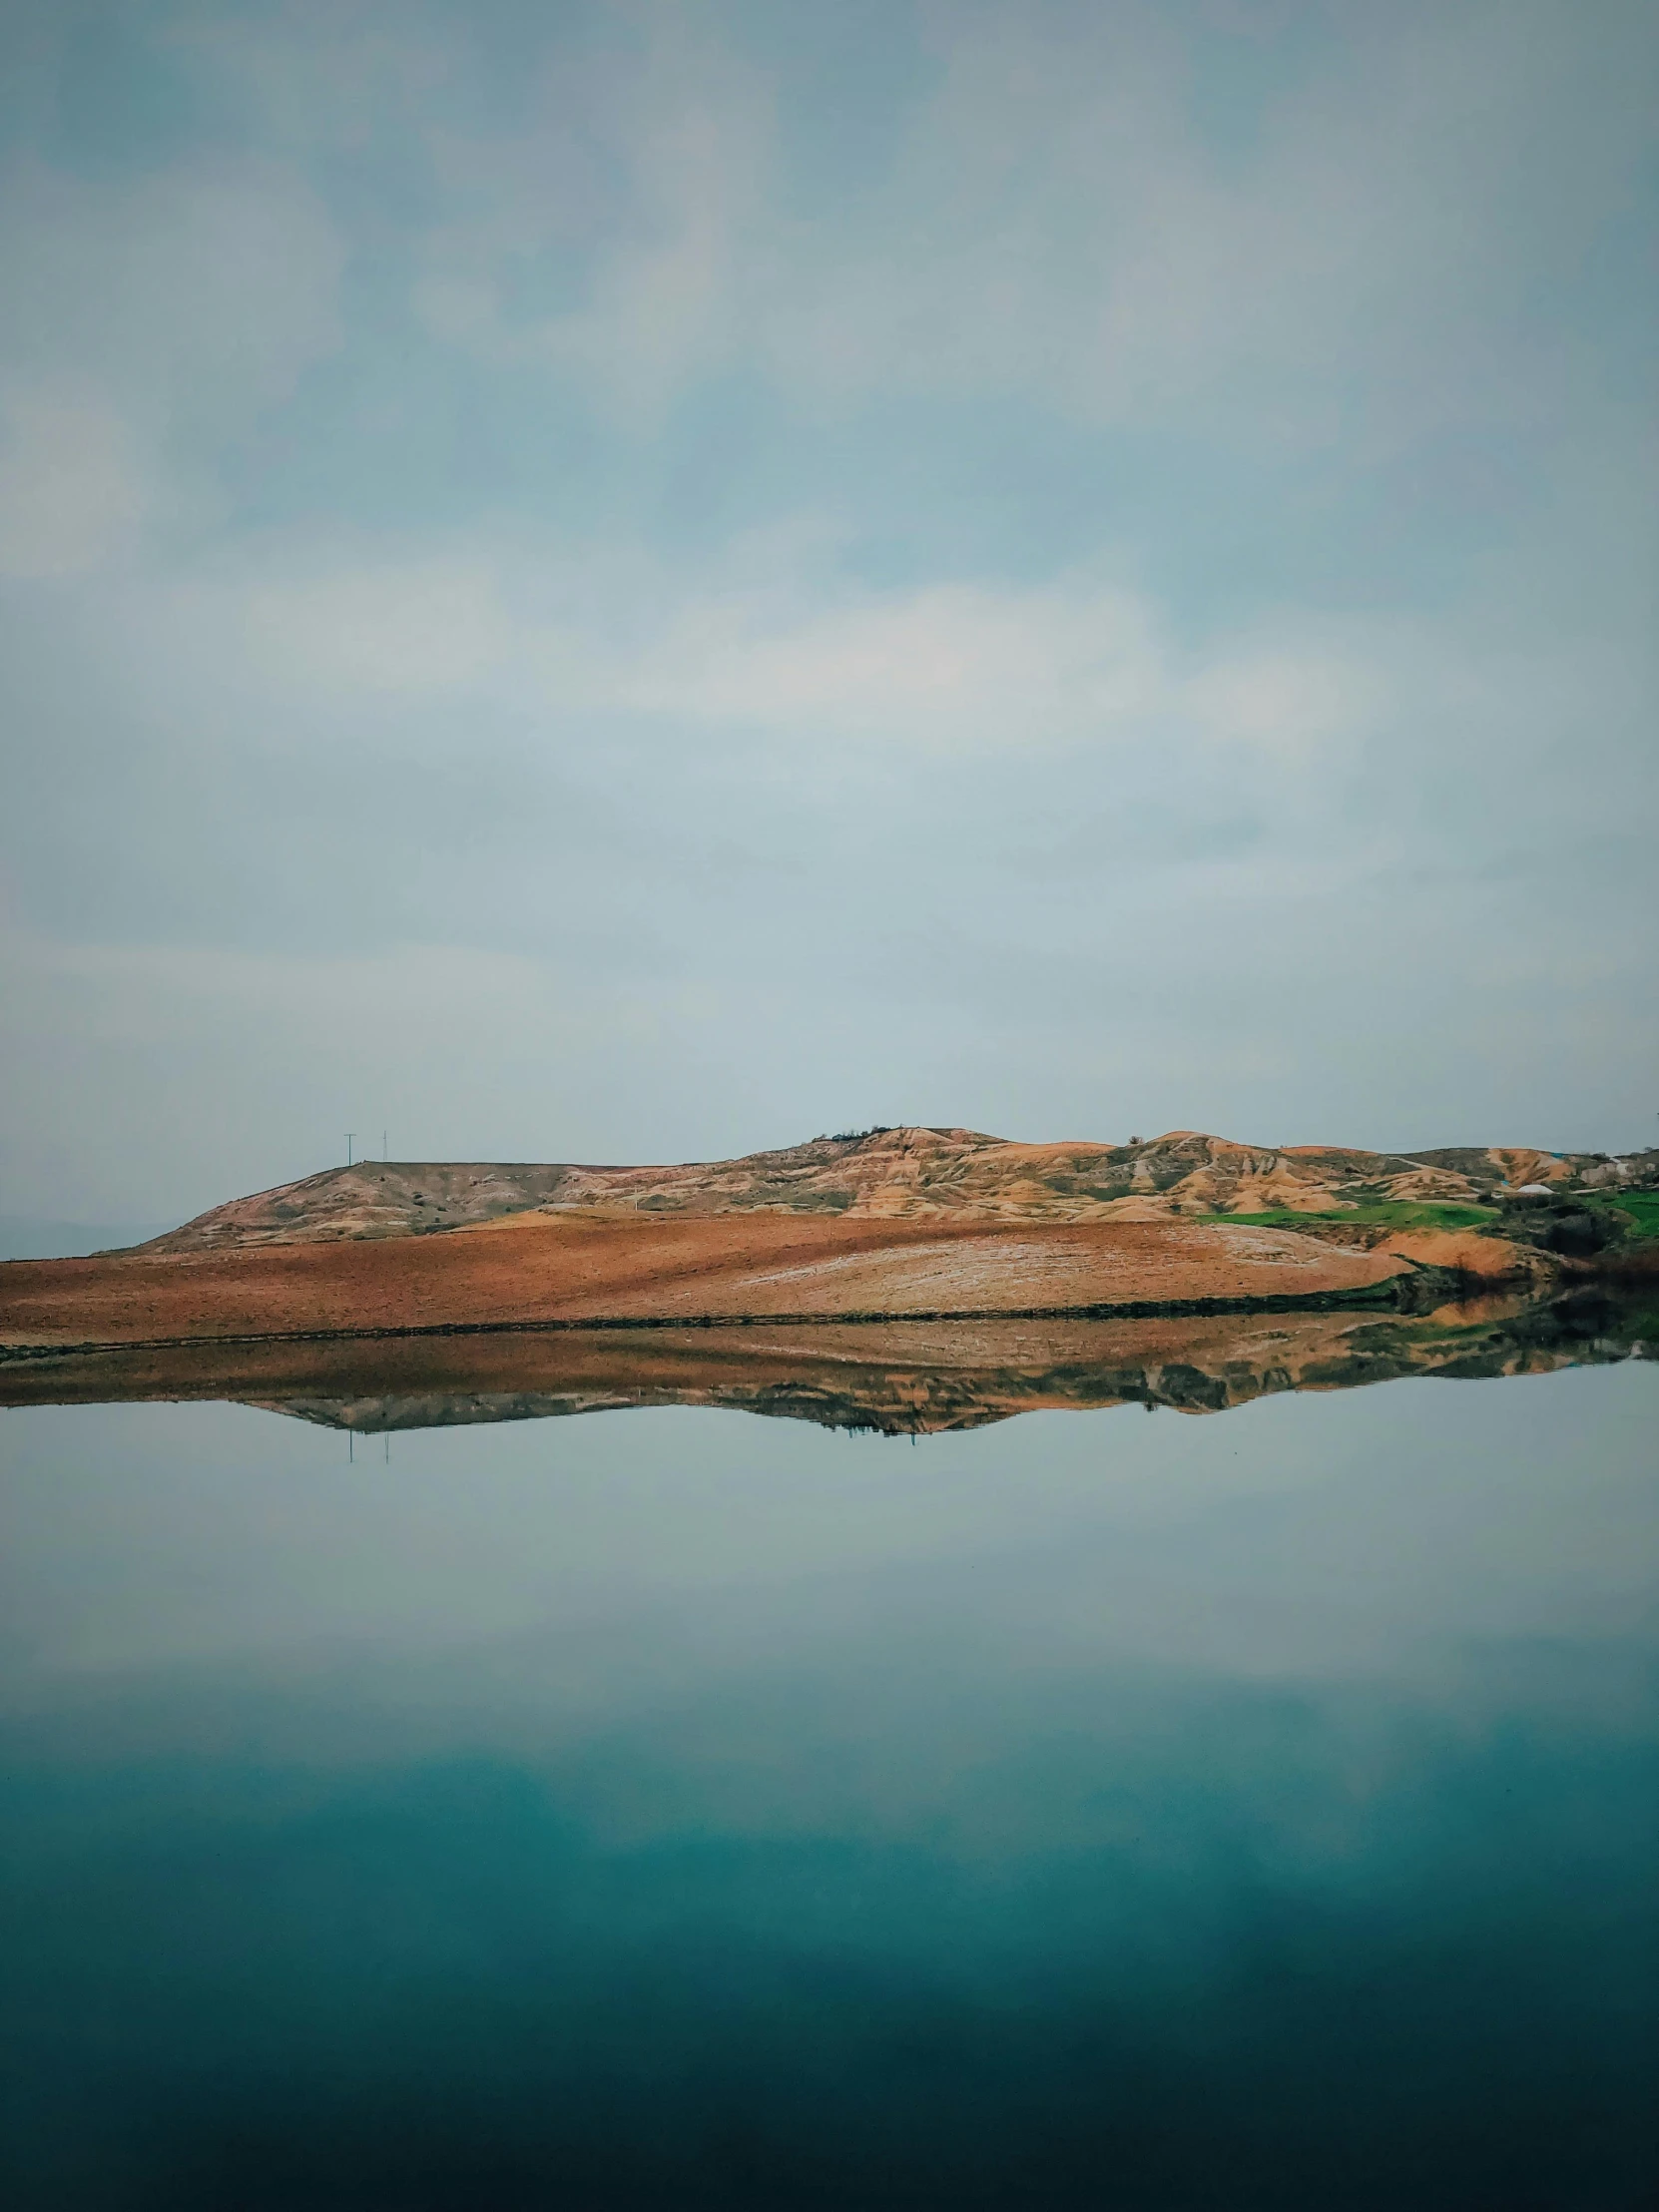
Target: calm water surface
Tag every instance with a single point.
(675, 1808)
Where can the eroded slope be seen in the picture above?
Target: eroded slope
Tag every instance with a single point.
(900, 1174)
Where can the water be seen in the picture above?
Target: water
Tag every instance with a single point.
(671, 1807)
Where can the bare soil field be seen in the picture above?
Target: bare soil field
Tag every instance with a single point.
(588, 1266)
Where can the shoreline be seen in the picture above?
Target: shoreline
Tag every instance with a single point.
(1438, 1285)
(897, 1374)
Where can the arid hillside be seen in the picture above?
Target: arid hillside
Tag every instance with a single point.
(586, 1268)
(886, 1225)
(898, 1174)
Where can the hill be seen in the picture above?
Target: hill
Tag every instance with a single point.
(888, 1224)
(909, 1173)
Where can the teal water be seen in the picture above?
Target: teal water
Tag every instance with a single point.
(673, 1808)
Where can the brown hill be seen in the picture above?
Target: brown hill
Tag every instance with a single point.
(888, 1224)
(888, 1174)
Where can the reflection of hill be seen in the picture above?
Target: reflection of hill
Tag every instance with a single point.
(898, 1377)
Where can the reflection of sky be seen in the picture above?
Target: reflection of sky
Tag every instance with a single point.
(701, 1803)
(1306, 1536)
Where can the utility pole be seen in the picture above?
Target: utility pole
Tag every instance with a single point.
(350, 1134)
(384, 1155)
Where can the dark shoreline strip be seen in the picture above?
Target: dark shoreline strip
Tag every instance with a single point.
(1384, 1294)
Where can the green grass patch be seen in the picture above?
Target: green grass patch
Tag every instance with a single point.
(1639, 1208)
(1385, 1212)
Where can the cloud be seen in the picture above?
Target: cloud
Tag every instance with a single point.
(420, 627)
(1357, 265)
(786, 670)
(1287, 702)
(955, 671)
(949, 670)
(146, 323)
(611, 238)
(1355, 272)
(212, 283)
(74, 488)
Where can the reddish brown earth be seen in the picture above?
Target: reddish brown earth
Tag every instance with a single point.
(911, 1174)
(885, 1224)
(590, 1266)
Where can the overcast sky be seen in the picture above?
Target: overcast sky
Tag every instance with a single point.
(633, 582)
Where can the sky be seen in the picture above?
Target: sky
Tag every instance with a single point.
(636, 582)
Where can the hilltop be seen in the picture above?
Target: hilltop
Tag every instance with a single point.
(916, 1172)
